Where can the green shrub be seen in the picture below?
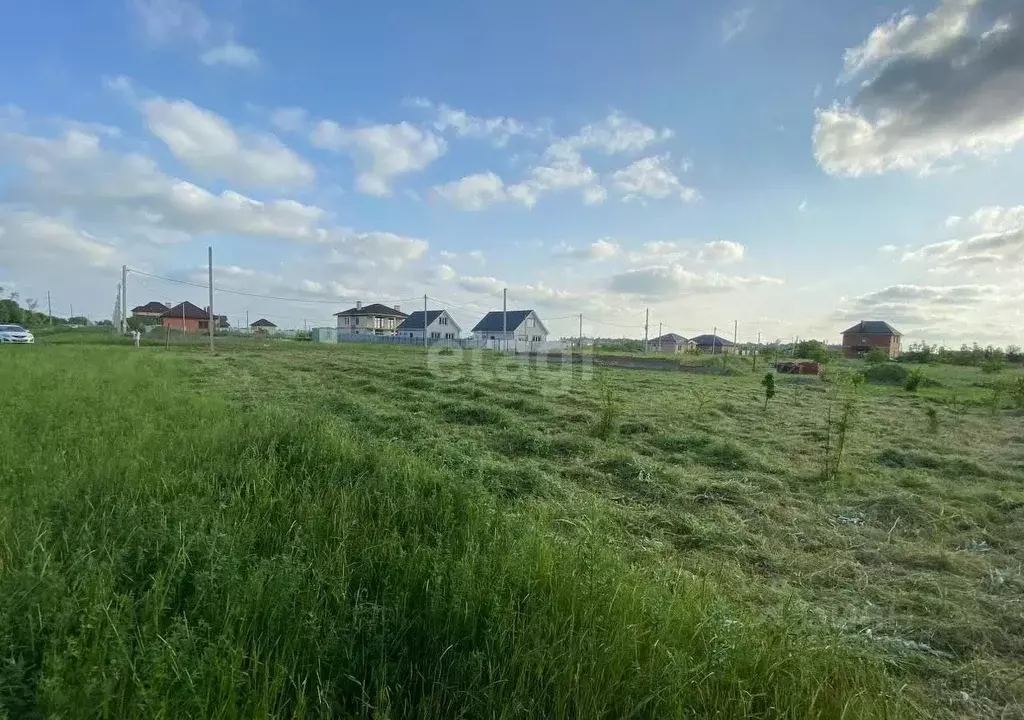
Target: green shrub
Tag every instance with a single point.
(913, 381)
(993, 365)
(877, 355)
(768, 383)
(933, 420)
(887, 374)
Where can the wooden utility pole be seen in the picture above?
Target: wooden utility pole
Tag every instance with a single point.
(581, 332)
(49, 307)
(757, 350)
(212, 316)
(425, 321)
(714, 339)
(504, 317)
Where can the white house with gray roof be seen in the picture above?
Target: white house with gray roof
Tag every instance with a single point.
(520, 330)
(440, 324)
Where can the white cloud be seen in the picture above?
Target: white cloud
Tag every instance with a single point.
(594, 195)
(934, 88)
(498, 129)
(381, 152)
(997, 244)
(163, 21)
(735, 23)
(208, 144)
(617, 133)
(945, 312)
(888, 249)
(651, 177)
(598, 251)
(722, 251)
(290, 119)
(953, 220)
(475, 192)
(27, 237)
(232, 54)
(474, 255)
(675, 279)
(803, 206)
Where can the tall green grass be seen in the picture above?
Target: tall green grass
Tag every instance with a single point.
(163, 554)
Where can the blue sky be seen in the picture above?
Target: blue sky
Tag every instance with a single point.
(784, 164)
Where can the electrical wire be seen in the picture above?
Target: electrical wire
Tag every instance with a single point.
(335, 301)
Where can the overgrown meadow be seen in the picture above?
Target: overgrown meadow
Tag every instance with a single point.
(286, 530)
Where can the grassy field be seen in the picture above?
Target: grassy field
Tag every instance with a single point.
(300, 531)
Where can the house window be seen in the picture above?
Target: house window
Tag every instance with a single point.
(435, 336)
(530, 322)
(536, 338)
(522, 338)
(355, 321)
(443, 320)
(344, 320)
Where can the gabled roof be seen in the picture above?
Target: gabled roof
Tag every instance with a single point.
(873, 327)
(493, 322)
(415, 320)
(671, 337)
(373, 309)
(151, 307)
(263, 323)
(186, 310)
(710, 341)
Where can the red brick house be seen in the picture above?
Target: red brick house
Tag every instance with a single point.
(186, 316)
(868, 335)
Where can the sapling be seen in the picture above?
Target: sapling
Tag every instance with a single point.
(768, 382)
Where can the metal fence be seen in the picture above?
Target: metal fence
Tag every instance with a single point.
(333, 336)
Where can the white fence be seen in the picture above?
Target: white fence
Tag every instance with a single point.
(333, 336)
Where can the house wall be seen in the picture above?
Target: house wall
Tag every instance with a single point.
(367, 324)
(854, 342)
(444, 327)
(188, 324)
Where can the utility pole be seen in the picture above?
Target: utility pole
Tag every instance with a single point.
(49, 307)
(647, 325)
(581, 333)
(660, 335)
(247, 328)
(714, 339)
(210, 259)
(735, 331)
(124, 299)
(504, 317)
(424, 321)
(757, 350)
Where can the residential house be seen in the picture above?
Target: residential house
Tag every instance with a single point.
(373, 319)
(151, 310)
(713, 345)
(868, 335)
(514, 329)
(440, 326)
(187, 317)
(263, 326)
(670, 343)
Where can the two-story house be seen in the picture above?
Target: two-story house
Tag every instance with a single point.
(372, 319)
(868, 335)
(520, 329)
(440, 326)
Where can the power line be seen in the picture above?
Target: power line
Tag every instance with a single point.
(335, 301)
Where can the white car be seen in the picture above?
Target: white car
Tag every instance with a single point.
(15, 334)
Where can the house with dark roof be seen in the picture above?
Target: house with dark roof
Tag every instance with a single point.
(149, 310)
(186, 317)
(713, 345)
(670, 343)
(372, 319)
(510, 330)
(440, 326)
(263, 326)
(867, 335)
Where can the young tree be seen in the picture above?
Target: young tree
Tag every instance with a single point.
(768, 383)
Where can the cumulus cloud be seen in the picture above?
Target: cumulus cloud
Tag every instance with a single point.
(662, 281)
(950, 311)
(997, 242)
(475, 192)
(474, 255)
(382, 153)
(722, 251)
(597, 251)
(651, 177)
(163, 21)
(498, 129)
(290, 119)
(932, 88)
(232, 54)
(28, 238)
(209, 144)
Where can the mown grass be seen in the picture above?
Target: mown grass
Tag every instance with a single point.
(354, 533)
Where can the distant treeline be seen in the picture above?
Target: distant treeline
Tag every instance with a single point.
(967, 354)
(11, 312)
